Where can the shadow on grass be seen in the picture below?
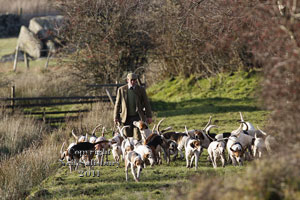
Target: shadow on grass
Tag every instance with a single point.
(203, 106)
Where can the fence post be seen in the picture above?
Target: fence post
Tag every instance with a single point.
(26, 60)
(48, 58)
(44, 115)
(12, 96)
(110, 98)
(16, 58)
(20, 12)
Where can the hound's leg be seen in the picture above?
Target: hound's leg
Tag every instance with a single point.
(133, 172)
(187, 160)
(215, 161)
(196, 160)
(210, 158)
(126, 169)
(223, 160)
(192, 160)
(139, 170)
(233, 160)
(175, 155)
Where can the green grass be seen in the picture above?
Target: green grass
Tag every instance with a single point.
(155, 182)
(182, 102)
(191, 102)
(8, 46)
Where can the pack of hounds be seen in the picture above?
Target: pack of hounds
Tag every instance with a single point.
(244, 143)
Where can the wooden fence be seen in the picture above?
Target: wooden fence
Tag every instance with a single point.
(22, 103)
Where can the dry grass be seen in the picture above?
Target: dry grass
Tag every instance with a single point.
(18, 133)
(37, 82)
(30, 8)
(20, 173)
(273, 178)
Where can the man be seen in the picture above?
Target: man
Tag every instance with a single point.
(131, 105)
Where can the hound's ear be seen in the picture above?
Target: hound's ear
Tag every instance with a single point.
(145, 125)
(232, 150)
(192, 145)
(201, 136)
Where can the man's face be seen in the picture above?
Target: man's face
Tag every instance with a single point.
(132, 82)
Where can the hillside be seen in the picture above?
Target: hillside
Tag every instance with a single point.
(183, 102)
(190, 101)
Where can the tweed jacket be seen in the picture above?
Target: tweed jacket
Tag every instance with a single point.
(142, 104)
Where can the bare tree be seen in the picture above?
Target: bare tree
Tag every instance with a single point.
(106, 38)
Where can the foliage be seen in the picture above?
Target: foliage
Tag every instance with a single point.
(272, 178)
(106, 37)
(268, 29)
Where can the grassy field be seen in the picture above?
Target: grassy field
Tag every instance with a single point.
(182, 102)
(8, 46)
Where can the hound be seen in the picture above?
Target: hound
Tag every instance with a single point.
(143, 128)
(133, 160)
(157, 143)
(247, 128)
(103, 148)
(93, 137)
(128, 143)
(179, 138)
(217, 149)
(84, 148)
(204, 135)
(146, 132)
(173, 149)
(116, 152)
(194, 149)
(64, 155)
(259, 146)
(146, 154)
(246, 140)
(80, 139)
(235, 150)
(116, 142)
(268, 140)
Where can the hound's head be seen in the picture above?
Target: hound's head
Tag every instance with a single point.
(196, 145)
(237, 151)
(172, 146)
(93, 139)
(83, 139)
(140, 125)
(65, 154)
(198, 135)
(221, 147)
(129, 148)
(149, 159)
(138, 162)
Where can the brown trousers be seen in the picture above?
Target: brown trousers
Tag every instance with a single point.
(132, 131)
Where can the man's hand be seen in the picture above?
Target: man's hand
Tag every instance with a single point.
(149, 120)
